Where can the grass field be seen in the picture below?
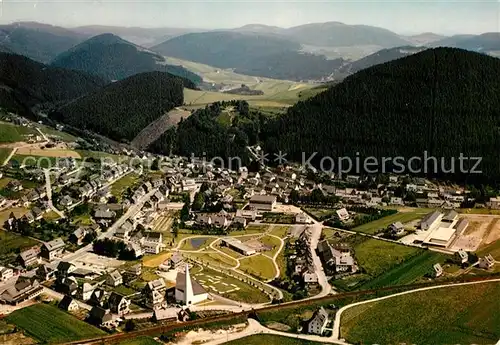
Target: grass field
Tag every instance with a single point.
(61, 153)
(273, 243)
(258, 266)
(270, 340)
(48, 324)
(101, 155)
(384, 263)
(245, 292)
(213, 259)
(403, 217)
(10, 133)
(492, 248)
(122, 184)
(11, 243)
(142, 340)
(40, 161)
(4, 154)
(454, 315)
(18, 212)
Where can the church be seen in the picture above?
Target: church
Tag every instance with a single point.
(187, 290)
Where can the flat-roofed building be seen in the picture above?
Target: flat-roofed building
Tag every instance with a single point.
(441, 237)
(263, 202)
(237, 246)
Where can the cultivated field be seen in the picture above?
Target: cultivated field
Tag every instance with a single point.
(454, 315)
(48, 324)
(61, 153)
(403, 217)
(10, 133)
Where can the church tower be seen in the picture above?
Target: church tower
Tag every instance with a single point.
(188, 288)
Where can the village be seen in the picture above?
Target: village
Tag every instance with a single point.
(117, 243)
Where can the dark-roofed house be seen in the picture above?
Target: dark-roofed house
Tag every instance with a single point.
(118, 304)
(100, 317)
(430, 220)
(64, 269)
(98, 298)
(51, 250)
(23, 290)
(44, 273)
(68, 304)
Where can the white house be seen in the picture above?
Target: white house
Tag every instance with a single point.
(318, 322)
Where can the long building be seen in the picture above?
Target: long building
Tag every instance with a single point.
(238, 246)
(263, 202)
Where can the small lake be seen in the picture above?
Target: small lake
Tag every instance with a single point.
(196, 243)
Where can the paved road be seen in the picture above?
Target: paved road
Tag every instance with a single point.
(256, 328)
(338, 315)
(132, 211)
(48, 190)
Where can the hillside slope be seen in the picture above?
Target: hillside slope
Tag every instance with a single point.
(382, 56)
(37, 41)
(444, 101)
(336, 34)
(249, 53)
(25, 83)
(122, 109)
(113, 58)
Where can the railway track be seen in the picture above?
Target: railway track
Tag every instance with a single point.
(157, 330)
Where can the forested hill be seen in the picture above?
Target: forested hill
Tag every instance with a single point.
(25, 83)
(37, 41)
(249, 53)
(445, 101)
(122, 109)
(113, 58)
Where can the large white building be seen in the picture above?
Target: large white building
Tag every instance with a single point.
(441, 229)
(187, 290)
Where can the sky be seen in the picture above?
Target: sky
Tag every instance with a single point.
(403, 17)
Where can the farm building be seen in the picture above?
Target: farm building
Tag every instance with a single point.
(263, 202)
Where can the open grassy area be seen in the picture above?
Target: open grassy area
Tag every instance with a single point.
(270, 340)
(403, 217)
(98, 155)
(10, 133)
(142, 340)
(384, 263)
(49, 324)
(120, 186)
(224, 284)
(43, 162)
(492, 248)
(51, 216)
(271, 242)
(258, 266)
(4, 154)
(320, 213)
(452, 315)
(11, 244)
(280, 231)
(4, 215)
(213, 259)
(51, 132)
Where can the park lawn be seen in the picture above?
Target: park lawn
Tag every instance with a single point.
(269, 339)
(452, 315)
(258, 266)
(213, 259)
(142, 340)
(271, 242)
(280, 231)
(382, 223)
(4, 154)
(119, 187)
(246, 292)
(257, 228)
(12, 243)
(49, 324)
(196, 243)
(10, 133)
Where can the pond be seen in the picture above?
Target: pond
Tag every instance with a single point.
(196, 243)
